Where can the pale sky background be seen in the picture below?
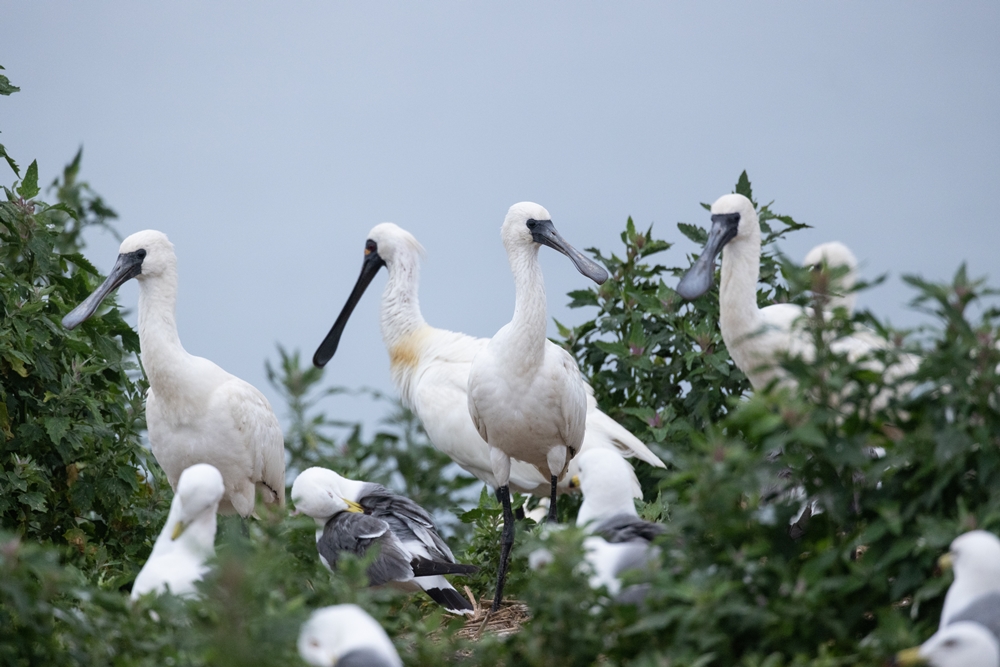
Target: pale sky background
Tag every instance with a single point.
(266, 139)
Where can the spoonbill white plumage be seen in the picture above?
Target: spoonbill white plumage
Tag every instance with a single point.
(195, 411)
(841, 268)
(975, 559)
(187, 540)
(620, 540)
(527, 398)
(757, 337)
(430, 369)
(352, 516)
(345, 636)
(964, 644)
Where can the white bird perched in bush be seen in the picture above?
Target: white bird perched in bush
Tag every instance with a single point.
(352, 516)
(195, 411)
(187, 540)
(841, 269)
(975, 559)
(345, 636)
(963, 644)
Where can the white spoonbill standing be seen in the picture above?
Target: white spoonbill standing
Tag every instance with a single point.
(195, 411)
(430, 369)
(187, 540)
(527, 398)
(757, 337)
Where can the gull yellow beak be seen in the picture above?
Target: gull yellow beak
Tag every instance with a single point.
(178, 529)
(574, 482)
(354, 507)
(910, 656)
(945, 562)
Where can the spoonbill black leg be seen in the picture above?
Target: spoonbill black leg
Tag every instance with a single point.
(553, 518)
(506, 544)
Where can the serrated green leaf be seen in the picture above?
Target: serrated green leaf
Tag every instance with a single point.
(6, 88)
(693, 232)
(743, 187)
(10, 161)
(29, 186)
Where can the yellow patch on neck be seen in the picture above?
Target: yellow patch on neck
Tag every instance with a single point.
(406, 353)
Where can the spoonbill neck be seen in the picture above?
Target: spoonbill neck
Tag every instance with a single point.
(400, 311)
(527, 327)
(738, 312)
(161, 349)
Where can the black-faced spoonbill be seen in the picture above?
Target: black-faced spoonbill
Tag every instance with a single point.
(352, 516)
(974, 557)
(527, 398)
(757, 337)
(619, 539)
(195, 411)
(187, 540)
(345, 636)
(430, 369)
(963, 644)
(841, 270)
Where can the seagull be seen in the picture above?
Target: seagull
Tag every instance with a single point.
(345, 636)
(187, 540)
(430, 369)
(195, 411)
(975, 559)
(527, 398)
(841, 266)
(351, 516)
(757, 337)
(963, 644)
(619, 539)
(984, 610)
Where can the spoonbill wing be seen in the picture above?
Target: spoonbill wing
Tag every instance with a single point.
(261, 435)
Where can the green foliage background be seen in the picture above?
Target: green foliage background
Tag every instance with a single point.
(81, 500)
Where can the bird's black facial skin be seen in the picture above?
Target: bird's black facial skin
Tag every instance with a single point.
(543, 232)
(699, 277)
(128, 266)
(369, 267)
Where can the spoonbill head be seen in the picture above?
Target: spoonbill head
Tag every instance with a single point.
(839, 267)
(142, 255)
(529, 225)
(345, 636)
(975, 559)
(734, 220)
(964, 644)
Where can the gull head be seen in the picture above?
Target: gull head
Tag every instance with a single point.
(974, 555)
(332, 633)
(733, 218)
(608, 484)
(320, 493)
(143, 255)
(528, 226)
(199, 490)
(962, 644)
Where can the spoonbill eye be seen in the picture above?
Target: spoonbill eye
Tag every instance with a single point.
(141, 253)
(370, 247)
(532, 224)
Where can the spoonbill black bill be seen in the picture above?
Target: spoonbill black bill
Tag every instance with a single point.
(430, 369)
(195, 411)
(345, 636)
(352, 516)
(527, 398)
(187, 540)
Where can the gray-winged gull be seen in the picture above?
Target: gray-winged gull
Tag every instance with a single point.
(975, 559)
(962, 644)
(619, 539)
(345, 636)
(352, 516)
(187, 540)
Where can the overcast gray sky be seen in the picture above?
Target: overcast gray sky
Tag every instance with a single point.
(266, 139)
